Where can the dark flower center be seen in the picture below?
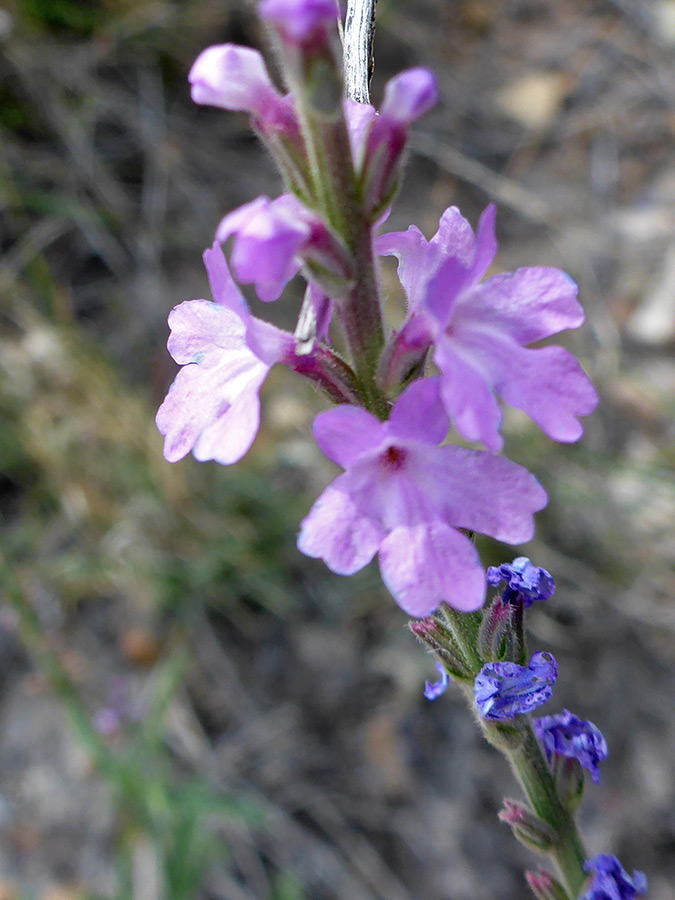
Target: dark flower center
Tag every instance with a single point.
(394, 458)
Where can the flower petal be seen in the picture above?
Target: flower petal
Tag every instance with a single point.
(503, 690)
(527, 305)
(213, 410)
(467, 395)
(548, 384)
(223, 289)
(230, 436)
(430, 563)
(454, 237)
(231, 77)
(200, 330)
(344, 433)
(486, 243)
(409, 95)
(481, 492)
(418, 414)
(414, 259)
(337, 532)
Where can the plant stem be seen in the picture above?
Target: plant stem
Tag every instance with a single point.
(532, 771)
(358, 50)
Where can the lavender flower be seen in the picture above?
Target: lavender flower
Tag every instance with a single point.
(566, 735)
(434, 689)
(273, 237)
(479, 331)
(212, 407)
(525, 583)
(612, 882)
(236, 78)
(404, 497)
(300, 20)
(503, 690)
(407, 96)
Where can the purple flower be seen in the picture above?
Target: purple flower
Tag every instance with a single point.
(434, 689)
(566, 735)
(404, 497)
(300, 20)
(212, 407)
(480, 330)
(611, 881)
(407, 96)
(503, 690)
(236, 78)
(525, 583)
(273, 237)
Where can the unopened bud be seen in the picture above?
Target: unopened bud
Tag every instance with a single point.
(528, 828)
(495, 624)
(544, 886)
(440, 640)
(568, 775)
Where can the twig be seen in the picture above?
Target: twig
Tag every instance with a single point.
(358, 49)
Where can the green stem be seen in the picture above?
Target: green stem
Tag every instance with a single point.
(532, 771)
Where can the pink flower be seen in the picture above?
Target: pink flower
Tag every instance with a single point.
(300, 20)
(407, 96)
(404, 497)
(272, 240)
(480, 330)
(236, 78)
(212, 407)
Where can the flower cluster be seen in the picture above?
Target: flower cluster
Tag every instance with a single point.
(467, 341)
(405, 495)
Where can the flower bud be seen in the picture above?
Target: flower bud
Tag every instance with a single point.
(569, 780)
(527, 827)
(407, 96)
(300, 22)
(440, 640)
(544, 886)
(493, 629)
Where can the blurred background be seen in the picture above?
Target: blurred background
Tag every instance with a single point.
(188, 707)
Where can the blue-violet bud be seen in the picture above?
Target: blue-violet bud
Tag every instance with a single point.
(503, 690)
(524, 582)
(611, 881)
(434, 689)
(566, 735)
